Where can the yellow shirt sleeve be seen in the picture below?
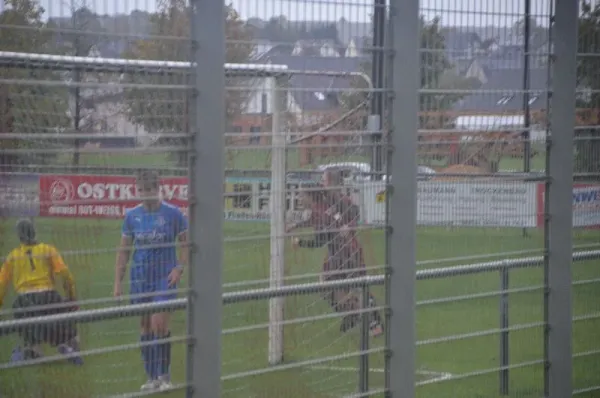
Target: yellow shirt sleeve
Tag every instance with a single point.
(5, 277)
(60, 268)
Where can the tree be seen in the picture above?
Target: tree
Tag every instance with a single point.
(31, 108)
(588, 81)
(538, 35)
(165, 111)
(78, 36)
(434, 64)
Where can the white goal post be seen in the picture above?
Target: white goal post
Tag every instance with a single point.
(277, 199)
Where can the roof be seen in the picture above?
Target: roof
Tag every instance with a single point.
(314, 92)
(508, 95)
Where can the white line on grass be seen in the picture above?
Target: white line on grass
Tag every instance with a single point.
(434, 376)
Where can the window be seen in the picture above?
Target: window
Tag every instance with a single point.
(263, 103)
(292, 197)
(504, 100)
(242, 198)
(255, 137)
(234, 129)
(264, 192)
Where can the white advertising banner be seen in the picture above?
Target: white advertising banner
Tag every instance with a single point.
(477, 204)
(586, 206)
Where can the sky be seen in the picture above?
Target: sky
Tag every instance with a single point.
(451, 12)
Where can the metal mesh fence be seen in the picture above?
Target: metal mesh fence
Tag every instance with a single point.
(314, 235)
(484, 88)
(586, 177)
(74, 134)
(296, 152)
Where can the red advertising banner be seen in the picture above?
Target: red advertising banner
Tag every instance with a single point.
(99, 196)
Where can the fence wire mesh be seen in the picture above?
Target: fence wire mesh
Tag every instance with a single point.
(92, 92)
(74, 135)
(586, 350)
(484, 89)
(296, 148)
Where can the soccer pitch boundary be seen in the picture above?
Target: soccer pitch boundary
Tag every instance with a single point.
(432, 376)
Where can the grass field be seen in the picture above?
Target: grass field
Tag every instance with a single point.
(251, 159)
(88, 246)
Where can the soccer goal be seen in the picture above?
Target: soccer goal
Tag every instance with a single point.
(78, 177)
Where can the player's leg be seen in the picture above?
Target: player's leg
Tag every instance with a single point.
(63, 334)
(376, 321)
(32, 336)
(344, 300)
(358, 269)
(138, 288)
(148, 349)
(161, 329)
(340, 299)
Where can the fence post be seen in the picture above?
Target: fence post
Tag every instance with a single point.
(203, 373)
(558, 373)
(363, 364)
(277, 209)
(504, 334)
(401, 215)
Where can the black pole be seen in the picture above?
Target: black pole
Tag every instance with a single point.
(526, 86)
(377, 161)
(76, 92)
(77, 113)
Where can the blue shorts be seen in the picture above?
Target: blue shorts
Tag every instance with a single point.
(160, 287)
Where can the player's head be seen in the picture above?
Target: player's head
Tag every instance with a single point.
(26, 231)
(148, 185)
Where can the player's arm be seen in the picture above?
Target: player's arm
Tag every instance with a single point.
(60, 269)
(300, 224)
(319, 240)
(123, 251)
(181, 231)
(5, 278)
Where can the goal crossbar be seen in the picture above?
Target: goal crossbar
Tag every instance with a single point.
(10, 59)
(67, 62)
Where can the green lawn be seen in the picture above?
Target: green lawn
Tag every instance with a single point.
(88, 246)
(251, 159)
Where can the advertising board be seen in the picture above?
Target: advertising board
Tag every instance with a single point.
(586, 205)
(461, 204)
(456, 203)
(100, 196)
(19, 195)
(247, 199)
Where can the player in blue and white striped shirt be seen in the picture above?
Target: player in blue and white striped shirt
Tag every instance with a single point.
(154, 229)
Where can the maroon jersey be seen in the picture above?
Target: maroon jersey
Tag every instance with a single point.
(329, 214)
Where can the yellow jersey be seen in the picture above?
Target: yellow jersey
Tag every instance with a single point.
(33, 268)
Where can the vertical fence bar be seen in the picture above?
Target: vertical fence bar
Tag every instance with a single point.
(206, 198)
(377, 71)
(404, 37)
(363, 360)
(277, 208)
(504, 334)
(558, 300)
